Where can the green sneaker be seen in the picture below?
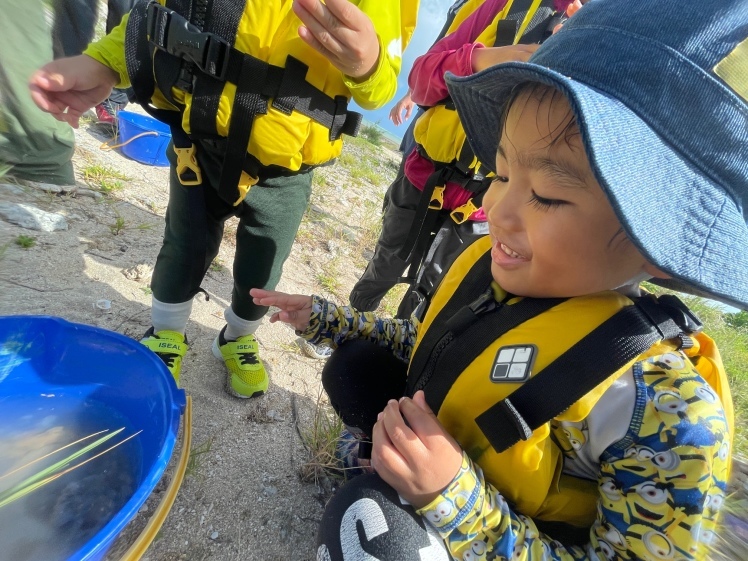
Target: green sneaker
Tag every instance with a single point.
(246, 373)
(170, 346)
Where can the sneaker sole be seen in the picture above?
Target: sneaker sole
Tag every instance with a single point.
(227, 381)
(308, 350)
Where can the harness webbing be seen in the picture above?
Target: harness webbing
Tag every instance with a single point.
(197, 56)
(462, 331)
(605, 350)
(465, 327)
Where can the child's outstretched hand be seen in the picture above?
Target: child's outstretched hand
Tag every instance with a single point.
(68, 87)
(342, 32)
(418, 458)
(295, 309)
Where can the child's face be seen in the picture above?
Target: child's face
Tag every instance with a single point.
(554, 232)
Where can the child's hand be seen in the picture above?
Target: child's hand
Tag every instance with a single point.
(295, 309)
(418, 459)
(491, 56)
(68, 87)
(342, 32)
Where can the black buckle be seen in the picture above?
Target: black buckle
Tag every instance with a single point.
(681, 314)
(174, 34)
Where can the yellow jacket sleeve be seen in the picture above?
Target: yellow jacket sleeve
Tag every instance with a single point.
(110, 51)
(394, 21)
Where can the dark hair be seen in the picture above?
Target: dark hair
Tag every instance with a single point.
(563, 131)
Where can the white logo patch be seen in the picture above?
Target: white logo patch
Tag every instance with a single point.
(513, 363)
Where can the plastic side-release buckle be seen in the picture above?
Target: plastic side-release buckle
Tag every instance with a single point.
(437, 199)
(187, 169)
(245, 182)
(464, 212)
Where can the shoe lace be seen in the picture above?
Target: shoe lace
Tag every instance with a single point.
(249, 358)
(168, 358)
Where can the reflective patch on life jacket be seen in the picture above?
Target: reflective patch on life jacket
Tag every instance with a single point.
(513, 363)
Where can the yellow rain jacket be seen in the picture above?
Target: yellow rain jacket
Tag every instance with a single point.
(268, 30)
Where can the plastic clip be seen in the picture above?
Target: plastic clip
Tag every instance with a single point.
(437, 199)
(187, 169)
(464, 212)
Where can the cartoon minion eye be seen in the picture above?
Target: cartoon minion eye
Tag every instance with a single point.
(478, 547)
(667, 460)
(658, 545)
(716, 502)
(673, 361)
(615, 537)
(444, 508)
(610, 489)
(651, 493)
(667, 401)
(724, 451)
(706, 393)
(707, 537)
(433, 517)
(606, 549)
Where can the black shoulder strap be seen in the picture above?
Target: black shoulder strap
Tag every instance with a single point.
(620, 339)
(467, 324)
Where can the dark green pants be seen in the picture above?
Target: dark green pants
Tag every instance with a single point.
(268, 220)
(32, 143)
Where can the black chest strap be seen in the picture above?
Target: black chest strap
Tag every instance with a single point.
(463, 329)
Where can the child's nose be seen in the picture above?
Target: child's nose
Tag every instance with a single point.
(503, 209)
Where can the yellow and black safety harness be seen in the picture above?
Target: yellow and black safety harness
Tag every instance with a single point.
(188, 45)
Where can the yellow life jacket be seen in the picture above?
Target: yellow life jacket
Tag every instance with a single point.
(545, 492)
(438, 131)
(243, 64)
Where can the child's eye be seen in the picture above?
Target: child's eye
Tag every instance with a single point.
(545, 204)
(500, 179)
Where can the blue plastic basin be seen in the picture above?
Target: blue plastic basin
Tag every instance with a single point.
(48, 365)
(148, 149)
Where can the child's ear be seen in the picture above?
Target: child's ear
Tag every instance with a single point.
(655, 272)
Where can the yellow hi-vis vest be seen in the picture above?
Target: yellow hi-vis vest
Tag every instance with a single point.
(529, 473)
(438, 131)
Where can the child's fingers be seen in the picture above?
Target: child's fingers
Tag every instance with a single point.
(400, 434)
(385, 458)
(419, 398)
(423, 423)
(346, 13)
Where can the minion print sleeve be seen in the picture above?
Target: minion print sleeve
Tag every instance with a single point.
(660, 487)
(333, 324)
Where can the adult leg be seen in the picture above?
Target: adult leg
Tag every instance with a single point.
(386, 267)
(366, 519)
(34, 144)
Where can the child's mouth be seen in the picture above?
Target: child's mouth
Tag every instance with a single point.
(502, 254)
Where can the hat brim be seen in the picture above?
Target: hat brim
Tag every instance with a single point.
(680, 220)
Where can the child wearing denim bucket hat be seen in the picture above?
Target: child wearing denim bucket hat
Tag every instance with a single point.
(620, 154)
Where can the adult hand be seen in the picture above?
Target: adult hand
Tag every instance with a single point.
(405, 104)
(418, 458)
(491, 56)
(342, 32)
(295, 309)
(68, 87)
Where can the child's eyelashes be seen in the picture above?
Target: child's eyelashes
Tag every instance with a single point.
(500, 179)
(545, 204)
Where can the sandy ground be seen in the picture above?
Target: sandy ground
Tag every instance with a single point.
(243, 499)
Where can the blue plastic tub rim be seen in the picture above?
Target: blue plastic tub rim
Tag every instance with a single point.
(174, 399)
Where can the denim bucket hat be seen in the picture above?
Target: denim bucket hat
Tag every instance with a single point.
(659, 89)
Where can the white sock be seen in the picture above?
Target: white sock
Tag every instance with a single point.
(237, 327)
(172, 317)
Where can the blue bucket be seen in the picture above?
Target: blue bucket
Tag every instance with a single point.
(52, 372)
(143, 138)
